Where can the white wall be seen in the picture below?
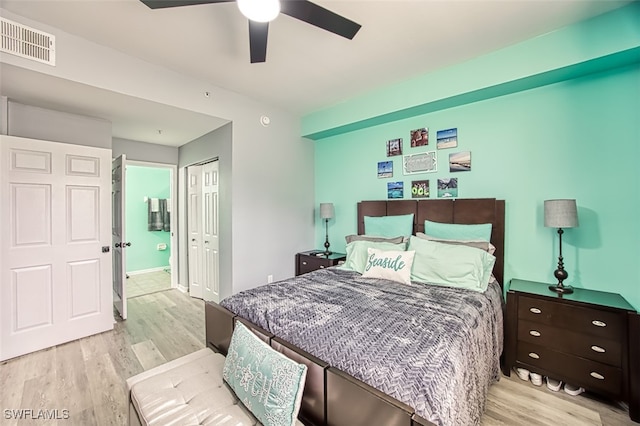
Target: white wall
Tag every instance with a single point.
(143, 151)
(27, 121)
(272, 198)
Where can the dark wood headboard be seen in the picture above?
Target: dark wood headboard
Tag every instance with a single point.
(461, 210)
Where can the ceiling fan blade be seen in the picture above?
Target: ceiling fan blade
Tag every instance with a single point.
(258, 32)
(161, 4)
(316, 15)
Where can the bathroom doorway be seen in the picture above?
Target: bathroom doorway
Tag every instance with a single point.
(150, 226)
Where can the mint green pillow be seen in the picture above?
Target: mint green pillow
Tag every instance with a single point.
(450, 265)
(268, 383)
(389, 226)
(456, 231)
(357, 253)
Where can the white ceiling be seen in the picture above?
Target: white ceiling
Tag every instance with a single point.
(307, 68)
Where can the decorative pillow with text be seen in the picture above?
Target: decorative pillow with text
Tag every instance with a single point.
(390, 265)
(268, 383)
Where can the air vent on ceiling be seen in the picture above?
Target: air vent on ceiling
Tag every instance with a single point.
(27, 42)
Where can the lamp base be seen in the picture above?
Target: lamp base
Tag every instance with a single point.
(559, 288)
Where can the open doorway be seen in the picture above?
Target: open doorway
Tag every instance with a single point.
(150, 228)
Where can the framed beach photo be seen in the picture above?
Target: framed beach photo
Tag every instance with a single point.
(395, 190)
(420, 137)
(424, 162)
(460, 161)
(447, 138)
(447, 187)
(394, 147)
(385, 169)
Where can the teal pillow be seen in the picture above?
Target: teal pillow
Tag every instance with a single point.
(268, 383)
(357, 253)
(389, 226)
(450, 265)
(455, 231)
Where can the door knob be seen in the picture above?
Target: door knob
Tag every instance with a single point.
(206, 242)
(128, 244)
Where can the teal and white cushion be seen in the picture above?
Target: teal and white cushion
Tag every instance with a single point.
(390, 265)
(267, 382)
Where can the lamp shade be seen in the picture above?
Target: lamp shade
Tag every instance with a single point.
(326, 210)
(560, 214)
(259, 10)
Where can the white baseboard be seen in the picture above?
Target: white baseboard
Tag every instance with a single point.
(183, 289)
(146, 271)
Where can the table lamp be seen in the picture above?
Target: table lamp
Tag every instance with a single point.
(560, 214)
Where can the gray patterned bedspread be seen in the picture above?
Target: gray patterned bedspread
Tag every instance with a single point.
(434, 348)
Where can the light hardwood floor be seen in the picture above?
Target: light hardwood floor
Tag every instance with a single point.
(150, 282)
(87, 376)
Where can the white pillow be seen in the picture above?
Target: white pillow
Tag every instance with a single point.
(390, 265)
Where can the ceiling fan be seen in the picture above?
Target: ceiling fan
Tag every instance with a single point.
(303, 10)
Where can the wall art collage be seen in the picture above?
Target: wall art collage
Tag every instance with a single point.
(420, 160)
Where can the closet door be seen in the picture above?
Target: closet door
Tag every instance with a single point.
(55, 260)
(210, 232)
(194, 229)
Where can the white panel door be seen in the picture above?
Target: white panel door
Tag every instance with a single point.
(118, 227)
(194, 229)
(55, 265)
(210, 232)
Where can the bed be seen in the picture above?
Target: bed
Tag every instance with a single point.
(375, 353)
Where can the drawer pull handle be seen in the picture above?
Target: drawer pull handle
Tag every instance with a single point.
(534, 333)
(304, 263)
(598, 349)
(599, 323)
(534, 355)
(597, 375)
(535, 310)
(321, 266)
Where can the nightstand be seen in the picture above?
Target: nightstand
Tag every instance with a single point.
(588, 338)
(307, 262)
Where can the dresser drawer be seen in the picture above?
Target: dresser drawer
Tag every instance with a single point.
(312, 263)
(573, 369)
(592, 321)
(592, 347)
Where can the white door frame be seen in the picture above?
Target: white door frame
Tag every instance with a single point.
(173, 194)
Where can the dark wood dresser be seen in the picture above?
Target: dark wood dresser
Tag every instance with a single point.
(307, 261)
(587, 338)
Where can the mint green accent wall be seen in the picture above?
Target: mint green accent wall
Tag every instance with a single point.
(605, 42)
(574, 139)
(152, 182)
(557, 116)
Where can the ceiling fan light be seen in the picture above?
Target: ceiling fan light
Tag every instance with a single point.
(259, 10)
